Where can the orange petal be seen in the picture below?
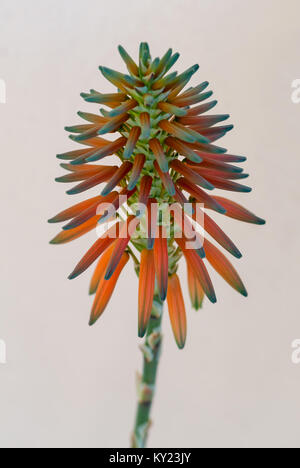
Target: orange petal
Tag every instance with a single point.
(75, 210)
(188, 231)
(152, 211)
(190, 174)
(182, 133)
(236, 211)
(100, 269)
(96, 250)
(117, 177)
(197, 264)
(117, 202)
(202, 108)
(206, 148)
(223, 266)
(145, 189)
(72, 234)
(166, 180)
(179, 197)
(215, 231)
(177, 310)
(161, 260)
(195, 289)
(130, 63)
(96, 142)
(91, 211)
(109, 148)
(203, 121)
(100, 98)
(214, 154)
(114, 124)
(190, 100)
(226, 184)
(183, 148)
(139, 161)
(194, 90)
(145, 124)
(91, 182)
(70, 155)
(91, 168)
(171, 109)
(159, 154)
(125, 107)
(200, 195)
(146, 290)
(90, 132)
(125, 235)
(94, 118)
(79, 128)
(219, 172)
(105, 290)
(133, 137)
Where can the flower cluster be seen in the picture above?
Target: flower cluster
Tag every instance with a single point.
(165, 142)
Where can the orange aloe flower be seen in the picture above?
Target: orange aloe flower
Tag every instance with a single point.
(165, 147)
(164, 140)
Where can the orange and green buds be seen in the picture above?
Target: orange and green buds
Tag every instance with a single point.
(105, 290)
(100, 269)
(121, 243)
(195, 289)
(145, 125)
(146, 290)
(159, 154)
(161, 260)
(236, 211)
(162, 144)
(177, 311)
(138, 165)
(117, 177)
(223, 266)
(131, 142)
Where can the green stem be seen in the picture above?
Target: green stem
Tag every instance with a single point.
(146, 383)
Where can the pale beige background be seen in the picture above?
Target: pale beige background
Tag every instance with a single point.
(66, 385)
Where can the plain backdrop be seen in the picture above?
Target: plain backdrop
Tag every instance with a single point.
(68, 385)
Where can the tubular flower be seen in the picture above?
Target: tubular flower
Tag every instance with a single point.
(165, 143)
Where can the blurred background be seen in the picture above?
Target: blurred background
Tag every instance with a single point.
(67, 385)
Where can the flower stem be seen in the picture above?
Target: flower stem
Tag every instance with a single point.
(146, 383)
